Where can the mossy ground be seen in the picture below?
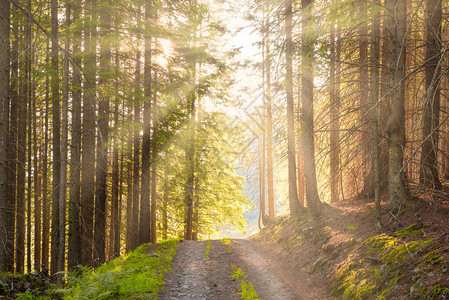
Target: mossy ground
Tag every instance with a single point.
(359, 262)
(137, 275)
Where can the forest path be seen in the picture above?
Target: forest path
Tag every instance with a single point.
(198, 273)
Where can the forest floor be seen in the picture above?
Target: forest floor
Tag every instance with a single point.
(343, 255)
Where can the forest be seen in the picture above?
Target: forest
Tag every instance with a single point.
(130, 122)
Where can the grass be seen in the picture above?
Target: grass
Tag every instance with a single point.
(137, 275)
(207, 251)
(248, 292)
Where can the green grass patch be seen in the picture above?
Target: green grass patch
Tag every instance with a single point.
(248, 292)
(227, 242)
(206, 252)
(137, 275)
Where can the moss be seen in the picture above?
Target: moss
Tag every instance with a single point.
(439, 292)
(411, 230)
(379, 243)
(433, 257)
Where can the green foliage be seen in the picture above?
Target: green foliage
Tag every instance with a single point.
(248, 292)
(137, 275)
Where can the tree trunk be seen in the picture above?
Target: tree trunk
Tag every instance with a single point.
(115, 224)
(144, 226)
(431, 111)
(74, 248)
(45, 200)
(313, 200)
(130, 187)
(334, 156)
(374, 64)
(396, 26)
(64, 155)
(366, 159)
(88, 140)
(102, 139)
(12, 149)
(56, 118)
(269, 121)
(4, 115)
(154, 151)
(291, 153)
(136, 171)
(21, 161)
(37, 192)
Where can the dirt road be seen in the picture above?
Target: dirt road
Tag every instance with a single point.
(199, 274)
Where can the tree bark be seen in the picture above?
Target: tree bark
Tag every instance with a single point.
(313, 200)
(396, 27)
(13, 132)
(374, 66)
(4, 115)
(64, 155)
(88, 140)
(74, 239)
(145, 211)
(56, 118)
(429, 176)
(291, 153)
(269, 121)
(103, 138)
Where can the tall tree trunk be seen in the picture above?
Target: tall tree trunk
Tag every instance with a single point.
(64, 155)
(45, 201)
(154, 151)
(374, 64)
(37, 192)
(165, 200)
(366, 160)
(292, 188)
(431, 111)
(396, 26)
(88, 140)
(74, 239)
(56, 111)
(29, 140)
(313, 199)
(334, 136)
(130, 187)
(12, 150)
(115, 224)
(21, 160)
(4, 115)
(144, 226)
(102, 140)
(136, 164)
(269, 121)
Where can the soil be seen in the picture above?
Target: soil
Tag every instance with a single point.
(195, 275)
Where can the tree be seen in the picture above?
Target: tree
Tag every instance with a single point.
(103, 136)
(374, 95)
(74, 242)
(396, 28)
(431, 111)
(4, 115)
(56, 118)
(144, 226)
(313, 200)
(292, 188)
(88, 138)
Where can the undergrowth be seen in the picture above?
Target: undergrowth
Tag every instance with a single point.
(137, 275)
(248, 292)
